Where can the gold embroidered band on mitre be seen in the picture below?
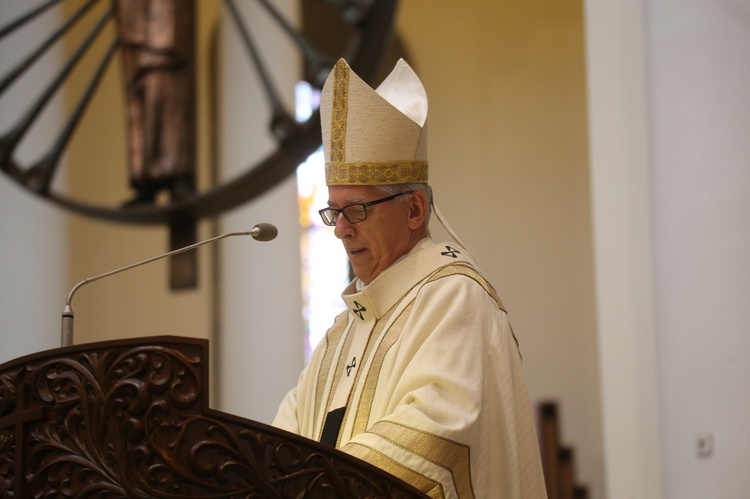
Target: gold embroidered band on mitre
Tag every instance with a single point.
(369, 173)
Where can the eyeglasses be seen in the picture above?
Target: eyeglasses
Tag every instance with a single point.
(354, 213)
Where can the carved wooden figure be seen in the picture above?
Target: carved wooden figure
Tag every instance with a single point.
(158, 55)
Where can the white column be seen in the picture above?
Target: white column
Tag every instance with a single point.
(33, 244)
(620, 185)
(260, 336)
(700, 93)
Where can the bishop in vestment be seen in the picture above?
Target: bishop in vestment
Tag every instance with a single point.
(421, 375)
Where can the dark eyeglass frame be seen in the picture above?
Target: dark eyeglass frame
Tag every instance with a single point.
(331, 221)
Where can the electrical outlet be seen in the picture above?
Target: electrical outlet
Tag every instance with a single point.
(704, 444)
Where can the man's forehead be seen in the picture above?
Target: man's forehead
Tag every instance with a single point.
(341, 195)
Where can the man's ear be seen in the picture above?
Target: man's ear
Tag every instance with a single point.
(417, 209)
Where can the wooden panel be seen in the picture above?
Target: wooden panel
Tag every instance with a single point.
(130, 418)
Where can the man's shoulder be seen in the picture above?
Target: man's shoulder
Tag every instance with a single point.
(462, 273)
(430, 255)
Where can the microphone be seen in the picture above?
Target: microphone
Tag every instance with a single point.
(261, 232)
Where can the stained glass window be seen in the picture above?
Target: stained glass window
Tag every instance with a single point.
(325, 269)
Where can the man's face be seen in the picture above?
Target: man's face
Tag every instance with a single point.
(375, 243)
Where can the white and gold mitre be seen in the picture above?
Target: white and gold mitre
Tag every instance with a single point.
(374, 137)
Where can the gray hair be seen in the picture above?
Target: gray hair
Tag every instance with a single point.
(399, 188)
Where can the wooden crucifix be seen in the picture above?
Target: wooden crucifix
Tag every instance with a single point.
(19, 419)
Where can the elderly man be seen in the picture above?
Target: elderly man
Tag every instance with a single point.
(421, 376)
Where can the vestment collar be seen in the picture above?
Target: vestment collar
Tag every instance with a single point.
(372, 301)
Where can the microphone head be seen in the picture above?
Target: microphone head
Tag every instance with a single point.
(264, 232)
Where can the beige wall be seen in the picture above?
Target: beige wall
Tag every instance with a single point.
(508, 162)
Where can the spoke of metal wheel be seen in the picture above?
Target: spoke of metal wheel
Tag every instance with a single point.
(311, 54)
(40, 175)
(277, 107)
(11, 140)
(45, 45)
(17, 23)
(370, 25)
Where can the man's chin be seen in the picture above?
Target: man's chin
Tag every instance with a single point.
(361, 274)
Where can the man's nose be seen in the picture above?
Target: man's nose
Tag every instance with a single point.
(343, 226)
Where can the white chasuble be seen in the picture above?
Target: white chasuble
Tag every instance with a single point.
(425, 376)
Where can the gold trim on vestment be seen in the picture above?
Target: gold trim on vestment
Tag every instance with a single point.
(362, 416)
(375, 173)
(353, 406)
(332, 339)
(450, 455)
(431, 487)
(367, 395)
(375, 333)
(470, 272)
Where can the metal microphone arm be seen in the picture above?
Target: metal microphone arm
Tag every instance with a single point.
(261, 232)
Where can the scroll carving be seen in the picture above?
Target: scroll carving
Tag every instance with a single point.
(123, 419)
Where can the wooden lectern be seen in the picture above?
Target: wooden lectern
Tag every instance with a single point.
(130, 418)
